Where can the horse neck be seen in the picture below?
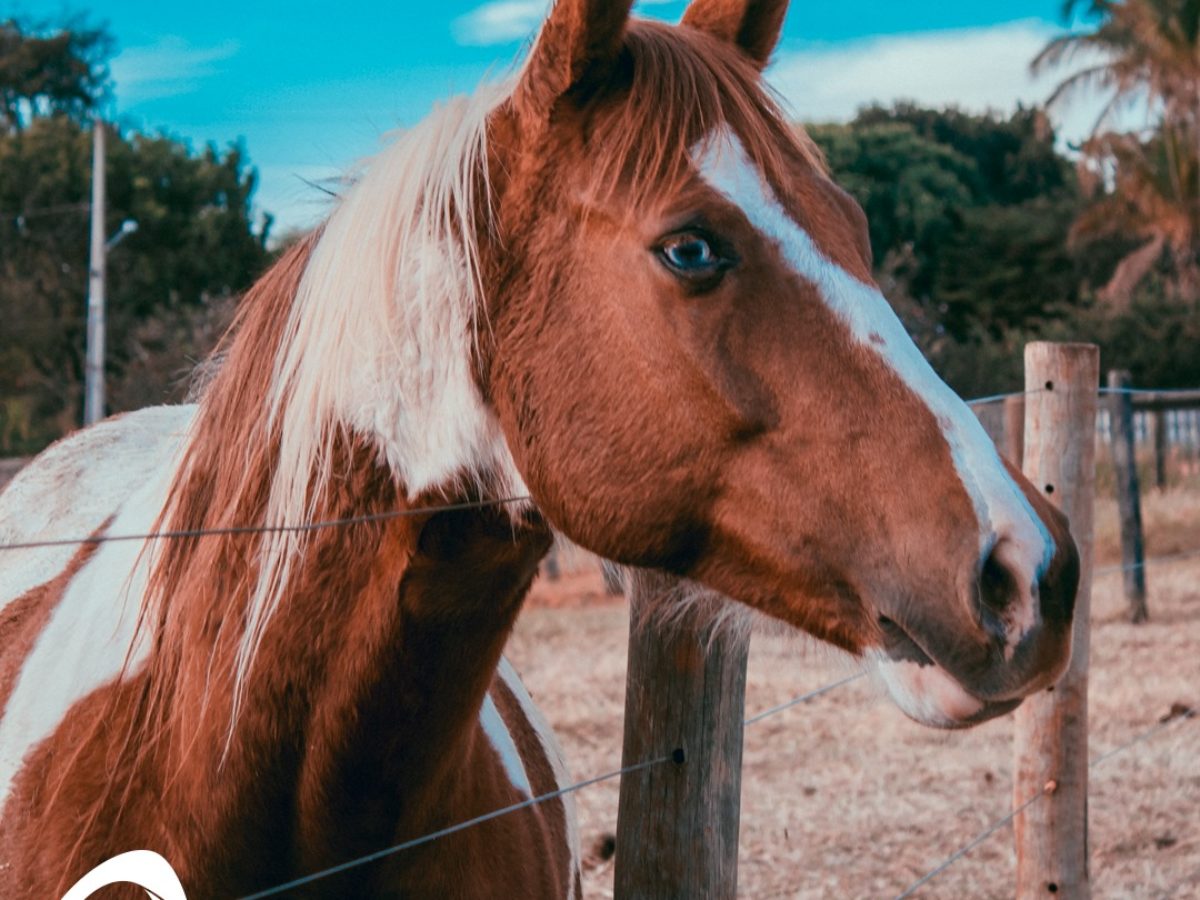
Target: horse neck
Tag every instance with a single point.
(374, 662)
(364, 695)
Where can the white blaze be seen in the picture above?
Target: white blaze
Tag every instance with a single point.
(1000, 506)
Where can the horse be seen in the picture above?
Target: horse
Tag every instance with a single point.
(616, 298)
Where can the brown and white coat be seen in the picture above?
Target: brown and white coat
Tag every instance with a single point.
(623, 285)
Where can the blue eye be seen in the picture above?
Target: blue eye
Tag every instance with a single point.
(691, 255)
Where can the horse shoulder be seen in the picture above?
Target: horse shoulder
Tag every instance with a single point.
(74, 486)
(69, 612)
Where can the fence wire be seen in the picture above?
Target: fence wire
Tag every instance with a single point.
(453, 829)
(804, 698)
(316, 526)
(677, 757)
(534, 801)
(266, 529)
(1168, 558)
(1168, 722)
(1155, 392)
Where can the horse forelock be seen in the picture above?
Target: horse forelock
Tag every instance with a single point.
(674, 86)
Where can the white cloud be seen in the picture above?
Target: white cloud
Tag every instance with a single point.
(506, 21)
(167, 68)
(976, 69)
(499, 22)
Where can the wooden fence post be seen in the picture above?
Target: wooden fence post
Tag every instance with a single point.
(991, 417)
(677, 823)
(1129, 500)
(1158, 428)
(1050, 740)
(1014, 429)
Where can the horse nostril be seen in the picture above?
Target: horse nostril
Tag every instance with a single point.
(997, 585)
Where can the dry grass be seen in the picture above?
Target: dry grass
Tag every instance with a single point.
(1170, 522)
(846, 798)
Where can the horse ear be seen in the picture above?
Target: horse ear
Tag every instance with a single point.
(753, 25)
(579, 39)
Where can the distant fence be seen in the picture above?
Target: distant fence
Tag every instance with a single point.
(1180, 427)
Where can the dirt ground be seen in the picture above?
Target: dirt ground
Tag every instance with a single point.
(844, 797)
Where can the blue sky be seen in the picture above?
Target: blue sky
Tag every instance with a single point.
(313, 86)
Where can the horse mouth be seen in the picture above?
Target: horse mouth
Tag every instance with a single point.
(900, 645)
(923, 690)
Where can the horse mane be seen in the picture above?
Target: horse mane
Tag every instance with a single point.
(363, 333)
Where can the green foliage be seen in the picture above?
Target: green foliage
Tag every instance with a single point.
(50, 70)
(969, 214)
(168, 283)
(908, 186)
(1157, 340)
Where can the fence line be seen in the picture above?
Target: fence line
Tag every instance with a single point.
(316, 526)
(1169, 558)
(676, 757)
(1159, 727)
(461, 826)
(267, 529)
(996, 398)
(975, 842)
(804, 698)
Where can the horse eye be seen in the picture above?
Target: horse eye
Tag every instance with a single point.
(691, 255)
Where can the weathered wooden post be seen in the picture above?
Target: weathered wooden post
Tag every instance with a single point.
(677, 823)
(1129, 500)
(1050, 740)
(550, 565)
(1014, 429)
(1158, 436)
(991, 417)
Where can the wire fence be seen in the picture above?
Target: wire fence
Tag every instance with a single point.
(1169, 722)
(677, 757)
(266, 529)
(337, 523)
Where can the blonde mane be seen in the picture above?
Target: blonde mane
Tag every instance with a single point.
(370, 324)
(378, 340)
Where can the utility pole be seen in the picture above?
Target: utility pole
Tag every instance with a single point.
(93, 390)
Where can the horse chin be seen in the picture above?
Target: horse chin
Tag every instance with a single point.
(928, 694)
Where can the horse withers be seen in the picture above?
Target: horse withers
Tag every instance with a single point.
(623, 286)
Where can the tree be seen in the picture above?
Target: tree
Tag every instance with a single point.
(169, 283)
(1144, 185)
(1145, 47)
(45, 71)
(1153, 194)
(968, 215)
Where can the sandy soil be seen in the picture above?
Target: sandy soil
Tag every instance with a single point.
(845, 797)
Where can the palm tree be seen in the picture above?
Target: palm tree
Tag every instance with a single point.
(1139, 48)
(1155, 183)
(1148, 51)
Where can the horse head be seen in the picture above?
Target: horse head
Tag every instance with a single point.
(694, 370)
